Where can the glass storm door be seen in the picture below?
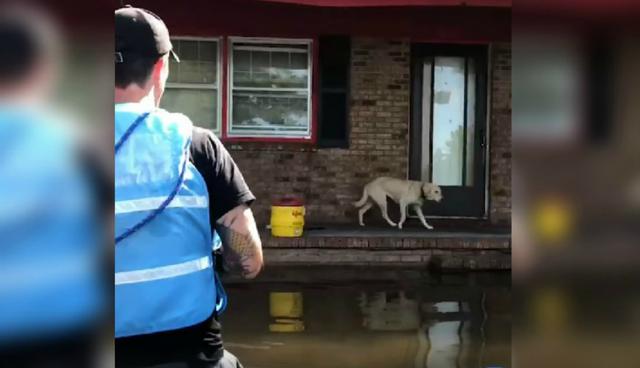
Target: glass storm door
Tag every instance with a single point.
(448, 135)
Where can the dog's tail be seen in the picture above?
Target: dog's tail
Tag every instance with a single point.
(362, 200)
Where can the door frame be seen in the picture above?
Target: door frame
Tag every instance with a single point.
(418, 52)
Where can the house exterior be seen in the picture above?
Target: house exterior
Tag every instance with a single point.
(315, 98)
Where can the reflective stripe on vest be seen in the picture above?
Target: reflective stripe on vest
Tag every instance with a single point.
(163, 272)
(151, 203)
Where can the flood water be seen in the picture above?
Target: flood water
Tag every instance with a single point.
(368, 318)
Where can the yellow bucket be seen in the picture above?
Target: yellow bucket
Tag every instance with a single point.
(285, 304)
(287, 218)
(286, 310)
(286, 325)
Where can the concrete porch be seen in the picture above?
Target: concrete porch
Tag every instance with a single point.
(468, 248)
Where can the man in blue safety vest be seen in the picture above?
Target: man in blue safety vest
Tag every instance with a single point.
(176, 190)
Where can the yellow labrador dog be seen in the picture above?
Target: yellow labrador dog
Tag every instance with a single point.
(403, 192)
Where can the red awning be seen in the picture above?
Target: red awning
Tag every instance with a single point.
(382, 3)
(262, 18)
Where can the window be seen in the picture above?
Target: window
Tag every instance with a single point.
(193, 84)
(269, 88)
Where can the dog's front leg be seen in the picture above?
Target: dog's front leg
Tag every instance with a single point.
(418, 209)
(403, 214)
(385, 215)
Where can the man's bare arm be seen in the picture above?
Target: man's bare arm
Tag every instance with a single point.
(241, 241)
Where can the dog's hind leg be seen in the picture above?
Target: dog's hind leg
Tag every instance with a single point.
(364, 199)
(362, 211)
(418, 210)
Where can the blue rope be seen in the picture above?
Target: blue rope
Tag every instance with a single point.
(164, 204)
(132, 230)
(221, 294)
(130, 130)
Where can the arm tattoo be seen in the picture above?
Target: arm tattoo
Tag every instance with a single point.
(235, 248)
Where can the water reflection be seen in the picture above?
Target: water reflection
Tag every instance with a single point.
(389, 311)
(418, 321)
(286, 309)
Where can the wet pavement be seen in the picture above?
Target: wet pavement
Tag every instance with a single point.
(369, 317)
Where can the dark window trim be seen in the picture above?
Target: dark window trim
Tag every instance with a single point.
(346, 90)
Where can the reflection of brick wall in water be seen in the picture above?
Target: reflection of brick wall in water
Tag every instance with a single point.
(331, 179)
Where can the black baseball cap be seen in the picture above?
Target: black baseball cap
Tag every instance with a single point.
(140, 32)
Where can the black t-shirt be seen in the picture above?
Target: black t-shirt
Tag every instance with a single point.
(226, 186)
(201, 343)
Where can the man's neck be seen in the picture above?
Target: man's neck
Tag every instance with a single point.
(134, 94)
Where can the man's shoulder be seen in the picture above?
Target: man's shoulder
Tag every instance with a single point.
(172, 117)
(202, 132)
(206, 147)
(203, 137)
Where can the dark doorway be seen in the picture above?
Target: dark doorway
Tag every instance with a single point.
(448, 126)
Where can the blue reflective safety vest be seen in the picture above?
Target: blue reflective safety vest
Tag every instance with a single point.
(164, 274)
(50, 280)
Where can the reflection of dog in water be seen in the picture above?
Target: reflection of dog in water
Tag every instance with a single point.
(389, 311)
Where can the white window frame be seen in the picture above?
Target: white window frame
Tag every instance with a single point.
(219, 83)
(260, 41)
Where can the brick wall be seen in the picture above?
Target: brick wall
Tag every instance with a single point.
(500, 134)
(330, 180)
